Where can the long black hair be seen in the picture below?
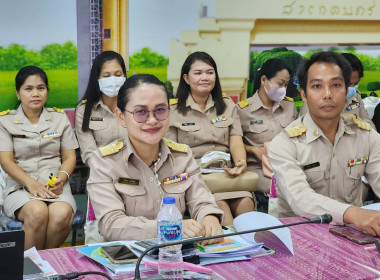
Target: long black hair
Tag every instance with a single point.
(183, 90)
(93, 93)
(133, 82)
(269, 69)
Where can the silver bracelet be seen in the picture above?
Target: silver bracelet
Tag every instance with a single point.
(67, 174)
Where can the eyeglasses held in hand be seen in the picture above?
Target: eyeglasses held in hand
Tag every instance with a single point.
(161, 113)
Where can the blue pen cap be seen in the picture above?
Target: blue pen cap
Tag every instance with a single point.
(169, 200)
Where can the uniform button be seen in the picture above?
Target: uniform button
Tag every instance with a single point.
(149, 235)
(151, 179)
(157, 201)
(131, 191)
(180, 189)
(333, 177)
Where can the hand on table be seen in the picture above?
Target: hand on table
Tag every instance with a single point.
(211, 227)
(191, 228)
(366, 220)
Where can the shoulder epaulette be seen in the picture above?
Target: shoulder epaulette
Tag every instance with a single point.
(355, 99)
(6, 112)
(173, 101)
(84, 101)
(176, 146)
(58, 110)
(295, 131)
(112, 148)
(288, 98)
(243, 103)
(361, 124)
(224, 95)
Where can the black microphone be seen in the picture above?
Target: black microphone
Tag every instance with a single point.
(323, 219)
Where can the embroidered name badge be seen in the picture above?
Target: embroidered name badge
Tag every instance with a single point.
(357, 161)
(353, 106)
(220, 119)
(311, 165)
(188, 124)
(256, 122)
(18, 136)
(175, 178)
(50, 134)
(128, 181)
(96, 119)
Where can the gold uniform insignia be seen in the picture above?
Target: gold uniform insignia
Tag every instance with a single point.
(243, 103)
(6, 112)
(176, 146)
(112, 148)
(84, 101)
(224, 95)
(361, 124)
(296, 131)
(173, 101)
(288, 98)
(58, 110)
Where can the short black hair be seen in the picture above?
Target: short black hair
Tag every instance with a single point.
(355, 63)
(133, 82)
(27, 71)
(327, 57)
(269, 69)
(183, 90)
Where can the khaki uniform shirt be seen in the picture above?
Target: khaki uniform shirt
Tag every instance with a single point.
(36, 150)
(204, 131)
(353, 105)
(126, 198)
(314, 176)
(260, 124)
(104, 128)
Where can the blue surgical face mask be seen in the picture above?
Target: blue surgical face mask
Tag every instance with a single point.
(352, 91)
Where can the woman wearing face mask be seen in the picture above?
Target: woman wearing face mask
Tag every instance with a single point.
(127, 186)
(95, 121)
(354, 106)
(265, 114)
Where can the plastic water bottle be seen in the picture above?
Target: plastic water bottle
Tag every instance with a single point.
(169, 229)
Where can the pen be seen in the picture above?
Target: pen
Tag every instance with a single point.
(200, 247)
(187, 266)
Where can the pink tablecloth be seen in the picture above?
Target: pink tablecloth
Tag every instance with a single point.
(317, 255)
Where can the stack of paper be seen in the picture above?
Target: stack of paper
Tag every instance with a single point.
(46, 268)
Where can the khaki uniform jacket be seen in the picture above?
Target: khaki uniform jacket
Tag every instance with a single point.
(201, 130)
(353, 105)
(36, 150)
(314, 176)
(260, 124)
(104, 128)
(126, 198)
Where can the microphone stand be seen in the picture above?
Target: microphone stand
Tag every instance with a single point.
(323, 219)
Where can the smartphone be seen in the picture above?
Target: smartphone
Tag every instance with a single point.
(354, 235)
(119, 254)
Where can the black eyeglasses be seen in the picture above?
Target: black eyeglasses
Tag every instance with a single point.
(161, 113)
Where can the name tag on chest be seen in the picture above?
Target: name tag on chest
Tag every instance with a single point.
(96, 119)
(188, 124)
(256, 122)
(129, 181)
(311, 165)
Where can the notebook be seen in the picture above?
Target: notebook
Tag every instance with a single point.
(12, 254)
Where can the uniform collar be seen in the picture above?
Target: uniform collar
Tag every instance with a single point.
(313, 131)
(256, 103)
(43, 122)
(193, 105)
(130, 150)
(101, 104)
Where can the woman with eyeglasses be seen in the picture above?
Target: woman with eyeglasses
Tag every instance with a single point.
(129, 178)
(96, 123)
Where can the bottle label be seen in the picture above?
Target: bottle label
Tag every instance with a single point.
(172, 232)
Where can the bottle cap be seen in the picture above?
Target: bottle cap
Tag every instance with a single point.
(169, 200)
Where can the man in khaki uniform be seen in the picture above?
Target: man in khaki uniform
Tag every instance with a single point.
(126, 193)
(319, 159)
(261, 125)
(103, 129)
(204, 131)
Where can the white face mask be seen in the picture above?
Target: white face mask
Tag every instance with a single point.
(275, 94)
(110, 86)
(352, 91)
